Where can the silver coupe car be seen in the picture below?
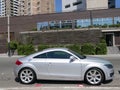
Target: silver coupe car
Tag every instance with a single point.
(62, 64)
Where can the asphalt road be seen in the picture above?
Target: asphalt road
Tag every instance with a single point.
(7, 79)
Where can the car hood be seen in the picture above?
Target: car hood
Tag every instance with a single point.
(96, 60)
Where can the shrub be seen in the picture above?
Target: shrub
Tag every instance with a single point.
(25, 49)
(13, 45)
(41, 47)
(101, 49)
(75, 47)
(88, 49)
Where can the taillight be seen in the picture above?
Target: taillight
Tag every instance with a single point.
(18, 62)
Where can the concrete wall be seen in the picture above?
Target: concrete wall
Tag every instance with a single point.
(96, 4)
(61, 37)
(85, 5)
(81, 6)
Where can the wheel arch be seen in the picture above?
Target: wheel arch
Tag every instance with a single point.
(27, 68)
(102, 71)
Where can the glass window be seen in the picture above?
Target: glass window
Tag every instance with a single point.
(58, 54)
(103, 21)
(77, 3)
(66, 24)
(82, 23)
(44, 55)
(42, 26)
(54, 24)
(117, 20)
(67, 6)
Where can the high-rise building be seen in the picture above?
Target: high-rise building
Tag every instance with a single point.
(9, 7)
(12, 7)
(2, 8)
(25, 7)
(32, 7)
(74, 5)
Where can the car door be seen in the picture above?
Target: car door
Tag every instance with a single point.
(40, 63)
(61, 67)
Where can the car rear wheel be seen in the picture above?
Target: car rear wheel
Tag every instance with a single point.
(94, 76)
(27, 76)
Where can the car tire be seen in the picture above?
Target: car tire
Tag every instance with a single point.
(94, 76)
(27, 76)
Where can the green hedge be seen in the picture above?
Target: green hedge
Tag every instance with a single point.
(88, 49)
(13, 45)
(25, 49)
(41, 47)
(101, 49)
(75, 47)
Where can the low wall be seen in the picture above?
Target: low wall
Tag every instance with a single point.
(3, 46)
(61, 37)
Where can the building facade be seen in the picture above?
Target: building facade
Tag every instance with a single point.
(2, 8)
(75, 5)
(25, 7)
(33, 7)
(81, 5)
(9, 7)
(111, 3)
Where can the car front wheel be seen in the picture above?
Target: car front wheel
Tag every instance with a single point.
(27, 76)
(94, 76)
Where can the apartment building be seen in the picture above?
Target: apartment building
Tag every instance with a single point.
(2, 8)
(32, 7)
(25, 7)
(9, 7)
(76, 5)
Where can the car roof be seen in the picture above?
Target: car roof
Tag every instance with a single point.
(52, 49)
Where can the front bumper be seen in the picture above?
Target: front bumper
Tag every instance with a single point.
(109, 74)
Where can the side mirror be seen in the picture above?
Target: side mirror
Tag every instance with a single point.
(72, 58)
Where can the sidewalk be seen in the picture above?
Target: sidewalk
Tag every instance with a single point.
(6, 55)
(63, 88)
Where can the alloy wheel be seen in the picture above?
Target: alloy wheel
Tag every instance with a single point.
(27, 76)
(94, 76)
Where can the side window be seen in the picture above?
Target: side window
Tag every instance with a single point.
(58, 54)
(44, 55)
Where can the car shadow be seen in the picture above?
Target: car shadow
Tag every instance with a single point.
(63, 82)
(107, 82)
(58, 82)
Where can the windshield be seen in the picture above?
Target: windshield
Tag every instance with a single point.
(78, 55)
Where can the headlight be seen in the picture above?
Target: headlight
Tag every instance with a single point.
(109, 66)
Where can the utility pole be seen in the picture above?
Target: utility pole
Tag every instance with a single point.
(8, 22)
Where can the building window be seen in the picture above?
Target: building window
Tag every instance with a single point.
(29, 4)
(77, 3)
(38, 3)
(42, 26)
(82, 23)
(67, 6)
(116, 20)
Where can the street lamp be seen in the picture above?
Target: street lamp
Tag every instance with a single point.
(8, 27)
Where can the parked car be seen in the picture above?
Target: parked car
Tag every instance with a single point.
(62, 64)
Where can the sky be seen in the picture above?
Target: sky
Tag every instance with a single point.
(58, 5)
